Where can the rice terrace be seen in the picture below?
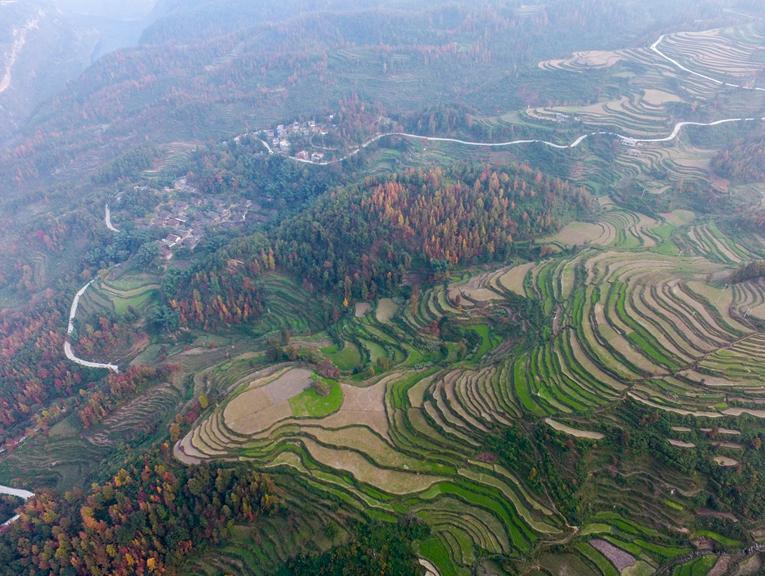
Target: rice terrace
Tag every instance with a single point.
(525, 336)
(641, 315)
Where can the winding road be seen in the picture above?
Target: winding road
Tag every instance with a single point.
(627, 139)
(68, 350)
(23, 494)
(655, 49)
(108, 219)
(574, 144)
(68, 345)
(26, 494)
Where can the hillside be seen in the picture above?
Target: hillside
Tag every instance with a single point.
(381, 287)
(744, 162)
(284, 67)
(45, 45)
(361, 242)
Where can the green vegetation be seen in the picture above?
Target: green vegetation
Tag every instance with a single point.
(346, 358)
(699, 567)
(433, 550)
(720, 539)
(8, 506)
(602, 563)
(315, 403)
(373, 549)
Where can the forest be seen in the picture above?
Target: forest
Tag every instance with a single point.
(144, 520)
(742, 163)
(33, 369)
(358, 242)
(375, 549)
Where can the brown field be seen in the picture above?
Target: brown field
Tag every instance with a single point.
(388, 480)
(659, 97)
(386, 309)
(513, 279)
(585, 59)
(589, 435)
(579, 233)
(361, 405)
(725, 462)
(680, 443)
(266, 402)
(362, 309)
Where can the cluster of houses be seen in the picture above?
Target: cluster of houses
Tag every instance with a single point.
(282, 135)
(552, 115)
(187, 219)
(312, 156)
(632, 146)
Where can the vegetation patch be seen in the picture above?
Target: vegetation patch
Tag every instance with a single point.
(324, 397)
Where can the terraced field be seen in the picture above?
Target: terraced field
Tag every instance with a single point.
(731, 54)
(625, 320)
(286, 307)
(656, 85)
(369, 454)
(137, 417)
(640, 324)
(631, 309)
(116, 294)
(708, 241)
(57, 459)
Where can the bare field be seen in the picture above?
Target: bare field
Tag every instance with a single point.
(265, 403)
(589, 435)
(581, 233)
(584, 59)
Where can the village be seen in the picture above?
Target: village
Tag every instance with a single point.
(286, 138)
(187, 216)
(319, 141)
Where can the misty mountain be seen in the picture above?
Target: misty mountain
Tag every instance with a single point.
(45, 44)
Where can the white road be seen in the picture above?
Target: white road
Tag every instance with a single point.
(23, 494)
(108, 219)
(68, 345)
(627, 139)
(655, 49)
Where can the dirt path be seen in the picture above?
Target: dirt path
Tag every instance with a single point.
(430, 569)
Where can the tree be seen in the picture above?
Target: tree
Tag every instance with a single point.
(147, 254)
